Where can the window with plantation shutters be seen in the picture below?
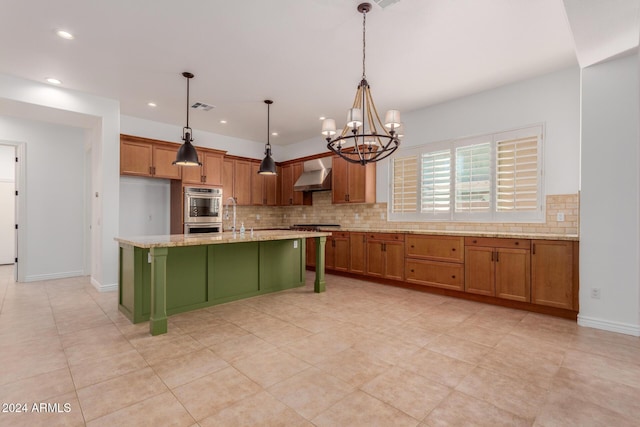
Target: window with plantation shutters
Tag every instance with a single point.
(517, 174)
(435, 177)
(405, 184)
(496, 177)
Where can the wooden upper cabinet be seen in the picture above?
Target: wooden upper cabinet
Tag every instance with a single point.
(163, 158)
(264, 188)
(136, 158)
(290, 174)
(352, 182)
(236, 180)
(210, 173)
(554, 273)
(150, 158)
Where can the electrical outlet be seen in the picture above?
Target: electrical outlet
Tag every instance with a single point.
(560, 217)
(357, 216)
(258, 217)
(295, 244)
(595, 293)
(382, 215)
(304, 216)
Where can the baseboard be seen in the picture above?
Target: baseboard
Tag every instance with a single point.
(608, 325)
(104, 288)
(53, 276)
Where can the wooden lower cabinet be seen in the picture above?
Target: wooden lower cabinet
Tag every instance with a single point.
(385, 255)
(357, 252)
(502, 269)
(446, 275)
(554, 273)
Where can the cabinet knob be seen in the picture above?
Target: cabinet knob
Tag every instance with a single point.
(412, 270)
(453, 277)
(412, 246)
(453, 249)
(517, 243)
(475, 241)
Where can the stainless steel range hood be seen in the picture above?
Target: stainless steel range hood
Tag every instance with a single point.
(316, 175)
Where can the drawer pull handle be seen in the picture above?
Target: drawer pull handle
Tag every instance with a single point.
(475, 241)
(412, 246)
(412, 270)
(453, 277)
(517, 243)
(453, 249)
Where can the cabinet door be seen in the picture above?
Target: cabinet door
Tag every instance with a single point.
(212, 169)
(136, 158)
(163, 157)
(357, 180)
(310, 253)
(257, 186)
(339, 180)
(375, 258)
(357, 255)
(513, 274)
(341, 245)
(394, 260)
(192, 174)
(287, 185)
(479, 270)
(270, 190)
(242, 182)
(227, 179)
(298, 196)
(330, 253)
(552, 276)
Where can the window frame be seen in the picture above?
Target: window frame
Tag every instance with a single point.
(493, 214)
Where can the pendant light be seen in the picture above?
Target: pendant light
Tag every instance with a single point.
(187, 154)
(267, 166)
(365, 138)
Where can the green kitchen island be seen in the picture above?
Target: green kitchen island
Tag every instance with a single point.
(169, 274)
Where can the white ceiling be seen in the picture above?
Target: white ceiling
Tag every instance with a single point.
(303, 54)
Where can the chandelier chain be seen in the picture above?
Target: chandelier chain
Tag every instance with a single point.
(364, 43)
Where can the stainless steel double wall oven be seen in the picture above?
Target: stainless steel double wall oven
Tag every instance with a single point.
(202, 210)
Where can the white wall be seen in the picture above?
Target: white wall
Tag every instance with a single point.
(55, 197)
(7, 204)
(552, 99)
(610, 196)
(144, 206)
(101, 117)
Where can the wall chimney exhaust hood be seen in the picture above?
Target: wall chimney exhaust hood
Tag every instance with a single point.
(316, 175)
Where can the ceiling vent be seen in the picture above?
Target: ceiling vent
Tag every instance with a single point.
(202, 106)
(385, 3)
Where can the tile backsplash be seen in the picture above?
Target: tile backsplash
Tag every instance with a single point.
(373, 216)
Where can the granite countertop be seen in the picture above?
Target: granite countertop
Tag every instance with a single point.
(174, 240)
(520, 235)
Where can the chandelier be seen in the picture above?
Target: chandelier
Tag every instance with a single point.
(364, 139)
(187, 154)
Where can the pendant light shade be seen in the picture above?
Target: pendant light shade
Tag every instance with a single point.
(187, 154)
(268, 165)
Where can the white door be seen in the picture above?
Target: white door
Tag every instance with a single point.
(7, 222)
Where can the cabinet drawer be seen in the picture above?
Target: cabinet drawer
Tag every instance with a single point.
(438, 248)
(393, 237)
(339, 234)
(441, 274)
(498, 242)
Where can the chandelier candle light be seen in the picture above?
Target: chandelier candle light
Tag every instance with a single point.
(187, 154)
(364, 139)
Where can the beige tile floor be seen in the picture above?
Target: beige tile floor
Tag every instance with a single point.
(361, 354)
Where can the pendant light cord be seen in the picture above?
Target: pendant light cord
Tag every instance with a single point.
(188, 103)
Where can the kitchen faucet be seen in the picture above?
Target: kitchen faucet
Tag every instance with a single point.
(226, 215)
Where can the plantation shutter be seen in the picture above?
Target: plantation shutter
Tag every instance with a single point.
(436, 182)
(405, 184)
(473, 178)
(517, 174)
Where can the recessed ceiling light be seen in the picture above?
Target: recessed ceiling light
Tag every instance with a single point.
(322, 118)
(152, 104)
(65, 34)
(274, 133)
(53, 81)
(224, 122)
